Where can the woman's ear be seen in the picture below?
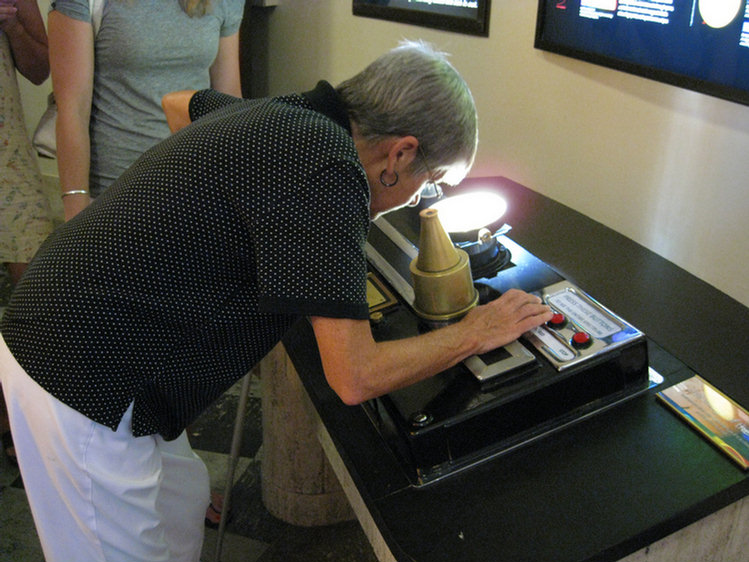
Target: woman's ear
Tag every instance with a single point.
(402, 152)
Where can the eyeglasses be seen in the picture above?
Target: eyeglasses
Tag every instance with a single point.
(431, 189)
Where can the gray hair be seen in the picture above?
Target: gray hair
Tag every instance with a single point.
(414, 90)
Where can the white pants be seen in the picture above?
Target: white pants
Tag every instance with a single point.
(100, 495)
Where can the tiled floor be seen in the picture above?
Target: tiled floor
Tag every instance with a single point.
(253, 535)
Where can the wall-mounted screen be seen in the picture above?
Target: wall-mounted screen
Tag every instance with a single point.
(464, 16)
(702, 45)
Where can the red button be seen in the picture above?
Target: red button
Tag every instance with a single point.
(581, 339)
(557, 321)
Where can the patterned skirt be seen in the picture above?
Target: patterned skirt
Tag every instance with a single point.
(25, 214)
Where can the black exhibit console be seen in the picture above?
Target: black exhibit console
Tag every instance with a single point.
(582, 361)
(557, 450)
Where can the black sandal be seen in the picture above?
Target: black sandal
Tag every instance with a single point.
(213, 514)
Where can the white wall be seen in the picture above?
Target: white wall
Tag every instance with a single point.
(666, 167)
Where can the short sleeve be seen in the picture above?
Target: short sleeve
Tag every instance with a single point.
(310, 248)
(76, 9)
(233, 13)
(206, 101)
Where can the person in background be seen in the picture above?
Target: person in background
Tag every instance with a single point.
(144, 308)
(109, 81)
(108, 85)
(25, 214)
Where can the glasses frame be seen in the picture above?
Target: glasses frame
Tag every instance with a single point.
(431, 189)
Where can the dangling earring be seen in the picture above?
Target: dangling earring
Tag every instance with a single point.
(386, 184)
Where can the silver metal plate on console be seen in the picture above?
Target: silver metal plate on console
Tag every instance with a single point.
(597, 329)
(484, 371)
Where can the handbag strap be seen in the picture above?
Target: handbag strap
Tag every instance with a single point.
(96, 7)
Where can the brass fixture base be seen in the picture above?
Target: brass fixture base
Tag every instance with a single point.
(441, 274)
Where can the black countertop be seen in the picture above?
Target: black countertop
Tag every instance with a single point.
(599, 489)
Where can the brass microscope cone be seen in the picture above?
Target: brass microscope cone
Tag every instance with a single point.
(441, 274)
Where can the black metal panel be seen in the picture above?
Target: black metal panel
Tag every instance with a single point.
(451, 421)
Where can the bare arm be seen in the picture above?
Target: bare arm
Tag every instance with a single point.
(225, 69)
(72, 64)
(21, 21)
(224, 78)
(358, 368)
(176, 106)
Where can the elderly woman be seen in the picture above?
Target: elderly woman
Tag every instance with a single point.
(142, 310)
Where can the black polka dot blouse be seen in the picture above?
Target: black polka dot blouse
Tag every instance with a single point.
(191, 267)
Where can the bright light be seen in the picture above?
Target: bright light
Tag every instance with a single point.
(470, 211)
(720, 404)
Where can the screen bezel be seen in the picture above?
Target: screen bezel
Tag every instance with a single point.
(714, 89)
(476, 26)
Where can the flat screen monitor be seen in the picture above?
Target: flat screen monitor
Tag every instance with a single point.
(701, 45)
(464, 16)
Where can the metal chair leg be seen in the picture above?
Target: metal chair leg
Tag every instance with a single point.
(236, 442)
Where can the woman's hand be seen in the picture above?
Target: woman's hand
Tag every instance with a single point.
(176, 106)
(505, 319)
(8, 13)
(21, 21)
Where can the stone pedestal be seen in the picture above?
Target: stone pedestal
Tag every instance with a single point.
(298, 483)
